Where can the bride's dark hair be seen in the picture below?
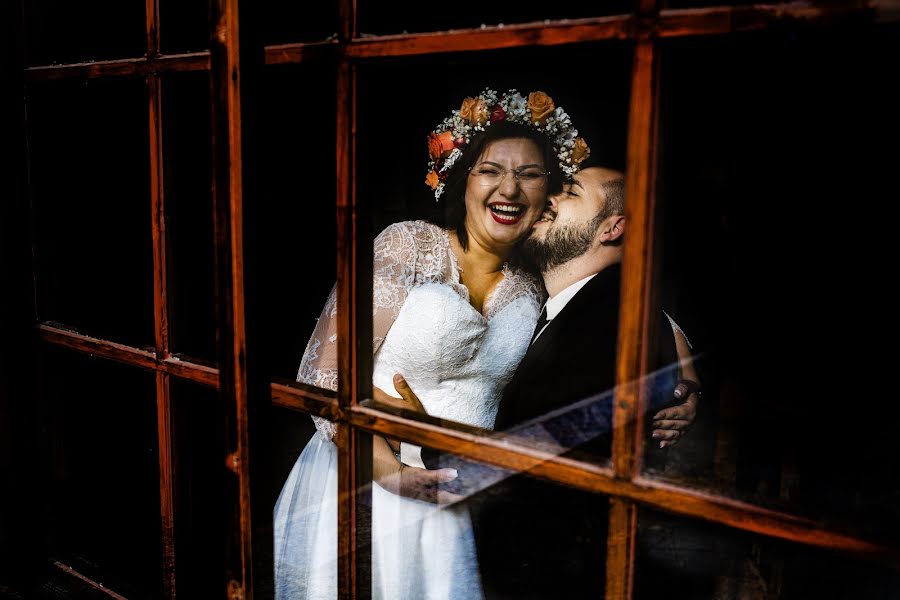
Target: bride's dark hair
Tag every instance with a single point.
(455, 186)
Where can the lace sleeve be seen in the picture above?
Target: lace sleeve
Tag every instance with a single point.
(319, 364)
(394, 270)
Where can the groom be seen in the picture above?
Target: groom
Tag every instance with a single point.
(542, 540)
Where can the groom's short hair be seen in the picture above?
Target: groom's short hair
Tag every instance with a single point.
(613, 190)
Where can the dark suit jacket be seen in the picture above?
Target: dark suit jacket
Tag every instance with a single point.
(542, 540)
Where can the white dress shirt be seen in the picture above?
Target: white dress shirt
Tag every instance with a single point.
(558, 302)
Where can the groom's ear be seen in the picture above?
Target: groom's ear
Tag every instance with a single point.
(613, 229)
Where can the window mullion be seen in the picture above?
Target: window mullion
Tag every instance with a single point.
(635, 316)
(354, 314)
(161, 322)
(227, 172)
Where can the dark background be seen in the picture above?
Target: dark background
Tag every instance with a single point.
(777, 160)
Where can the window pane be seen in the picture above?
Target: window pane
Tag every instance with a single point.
(61, 32)
(102, 498)
(200, 479)
(89, 174)
(293, 229)
(763, 158)
(183, 25)
(462, 341)
(292, 22)
(189, 214)
(693, 560)
(381, 17)
(305, 514)
(486, 531)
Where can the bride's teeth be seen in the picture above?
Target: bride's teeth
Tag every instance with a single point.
(506, 208)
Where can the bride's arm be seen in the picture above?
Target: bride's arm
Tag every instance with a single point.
(394, 270)
(410, 482)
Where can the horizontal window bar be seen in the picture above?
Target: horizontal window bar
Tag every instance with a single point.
(494, 448)
(308, 399)
(191, 371)
(128, 67)
(731, 19)
(282, 54)
(648, 492)
(669, 23)
(463, 40)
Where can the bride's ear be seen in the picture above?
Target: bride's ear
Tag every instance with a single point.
(613, 229)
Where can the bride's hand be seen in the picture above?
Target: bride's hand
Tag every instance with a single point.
(410, 482)
(407, 400)
(424, 484)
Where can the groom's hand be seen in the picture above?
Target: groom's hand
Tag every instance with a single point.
(407, 400)
(670, 424)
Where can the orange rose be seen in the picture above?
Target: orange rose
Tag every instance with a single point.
(440, 145)
(432, 180)
(580, 151)
(475, 111)
(541, 107)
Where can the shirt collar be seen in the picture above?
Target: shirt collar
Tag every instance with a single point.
(555, 304)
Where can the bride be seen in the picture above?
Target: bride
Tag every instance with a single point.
(453, 312)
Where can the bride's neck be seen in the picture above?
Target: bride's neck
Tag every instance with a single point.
(479, 257)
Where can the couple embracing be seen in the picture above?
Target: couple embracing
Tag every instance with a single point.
(461, 311)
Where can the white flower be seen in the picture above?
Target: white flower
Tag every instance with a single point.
(517, 103)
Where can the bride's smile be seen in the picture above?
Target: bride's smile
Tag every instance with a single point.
(505, 192)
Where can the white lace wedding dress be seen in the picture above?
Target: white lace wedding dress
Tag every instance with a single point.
(458, 362)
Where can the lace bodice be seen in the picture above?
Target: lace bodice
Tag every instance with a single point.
(456, 359)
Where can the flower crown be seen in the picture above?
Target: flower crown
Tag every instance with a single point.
(447, 142)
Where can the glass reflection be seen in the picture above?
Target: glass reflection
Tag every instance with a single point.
(293, 230)
(775, 424)
(463, 529)
(101, 247)
(305, 515)
(691, 560)
(100, 503)
(459, 529)
(201, 485)
(189, 215)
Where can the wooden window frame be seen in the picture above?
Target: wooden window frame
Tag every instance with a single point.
(623, 481)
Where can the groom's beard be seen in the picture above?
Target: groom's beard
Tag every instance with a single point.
(561, 244)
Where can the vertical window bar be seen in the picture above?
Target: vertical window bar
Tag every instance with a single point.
(636, 317)
(354, 345)
(637, 264)
(647, 7)
(161, 333)
(158, 217)
(160, 308)
(152, 9)
(229, 267)
(347, 348)
(354, 336)
(347, 15)
(620, 549)
(166, 479)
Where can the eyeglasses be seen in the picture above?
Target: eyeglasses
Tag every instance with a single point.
(528, 177)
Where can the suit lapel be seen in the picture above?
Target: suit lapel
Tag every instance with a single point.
(598, 289)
